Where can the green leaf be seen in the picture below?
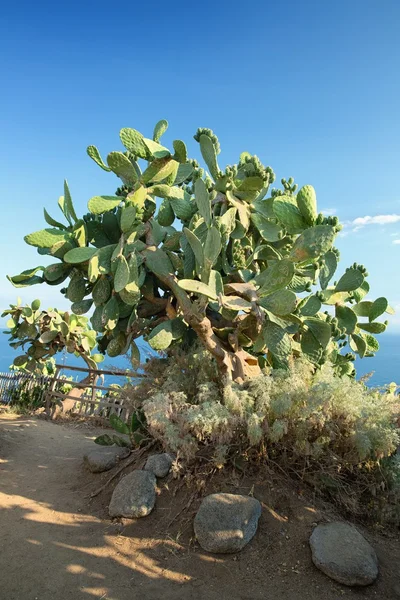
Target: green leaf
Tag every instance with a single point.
(281, 302)
(236, 303)
(203, 200)
(101, 204)
(160, 128)
(81, 307)
(79, 255)
(180, 151)
(360, 344)
(119, 425)
(362, 309)
(52, 221)
(310, 347)
(277, 341)
(288, 214)
(378, 308)
(209, 154)
(350, 281)
(48, 336)
(372, 342)
(68, 204)
(95, 155)
(212, 248)
(159, 169)
(162, 336)
(320, 329)
(372, 327)
(122, 167)
(311, 306)
(197, 287)
(104, 440)
(328, 269)
(361, 291)
(133, 141)
(158, 262)
(46, 238)
(269, 229)
(195, 245)
(346, 317)
(275, 277)
(312, 243)
(155, 149)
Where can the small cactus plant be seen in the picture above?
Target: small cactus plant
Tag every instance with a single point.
(183, 253)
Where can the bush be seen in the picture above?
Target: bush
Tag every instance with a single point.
(334, 433)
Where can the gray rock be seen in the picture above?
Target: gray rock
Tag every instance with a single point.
(342, 553)
(159, 464)
(134, 496)
(104, 458)
(225, 523)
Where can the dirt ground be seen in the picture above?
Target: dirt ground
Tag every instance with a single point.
(57, 544)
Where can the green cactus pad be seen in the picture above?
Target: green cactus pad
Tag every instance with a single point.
(311, 306)
(307, 203)
(197, 287)
(46, 238)
(110, 314)
(133, 141)
(165, 214)
(277, 341)
(328, 269)
(101, 204)
(76, 289)
(121, 277)
(373, 327)
(159, 129)
(320, 330)
(164, 333)
(159, 170)
(101, 291)
(288, 214)
(82, 307)
(282, 302)
(350, 281)
(180, 151)
(346, 317)
(378, 307)
(122, 167)
(358, 344)
(312, 243)
(195, 245)
(79, 255)
(210, 156)
(275, 277)
(269, 230)
(155, 149)
(212, 247)
(203, 200)
(95, 155)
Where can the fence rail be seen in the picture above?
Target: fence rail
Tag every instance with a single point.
(96, 400)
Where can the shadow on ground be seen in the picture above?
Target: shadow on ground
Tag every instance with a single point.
(57, 544)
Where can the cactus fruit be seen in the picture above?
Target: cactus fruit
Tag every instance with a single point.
(307, 202)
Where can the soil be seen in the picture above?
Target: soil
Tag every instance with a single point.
(58, 544)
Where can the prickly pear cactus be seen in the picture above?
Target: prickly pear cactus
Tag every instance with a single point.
(182, 252)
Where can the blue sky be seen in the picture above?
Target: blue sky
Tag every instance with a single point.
(311, 87)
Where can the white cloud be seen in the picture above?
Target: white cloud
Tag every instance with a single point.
(396, 242)
(377, 220)
(361, 222)
(328, 212)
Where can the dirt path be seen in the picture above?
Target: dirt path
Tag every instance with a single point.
(56, 545)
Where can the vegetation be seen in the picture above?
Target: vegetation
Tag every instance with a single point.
(234, 282)
(223, 259)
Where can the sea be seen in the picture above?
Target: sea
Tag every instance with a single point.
(384, 366)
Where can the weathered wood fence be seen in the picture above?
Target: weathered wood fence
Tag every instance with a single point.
(96, 400)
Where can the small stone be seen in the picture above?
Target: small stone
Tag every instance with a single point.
(134, 496)
(225, 523)
(104, 458)
(342, 553)
(159, 464)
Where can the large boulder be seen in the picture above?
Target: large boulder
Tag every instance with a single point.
(159, 464)
(342, 553)
(104, 458)
(225, 523)
(134, 496)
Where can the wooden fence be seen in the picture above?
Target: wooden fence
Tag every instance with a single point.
(96, 400)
